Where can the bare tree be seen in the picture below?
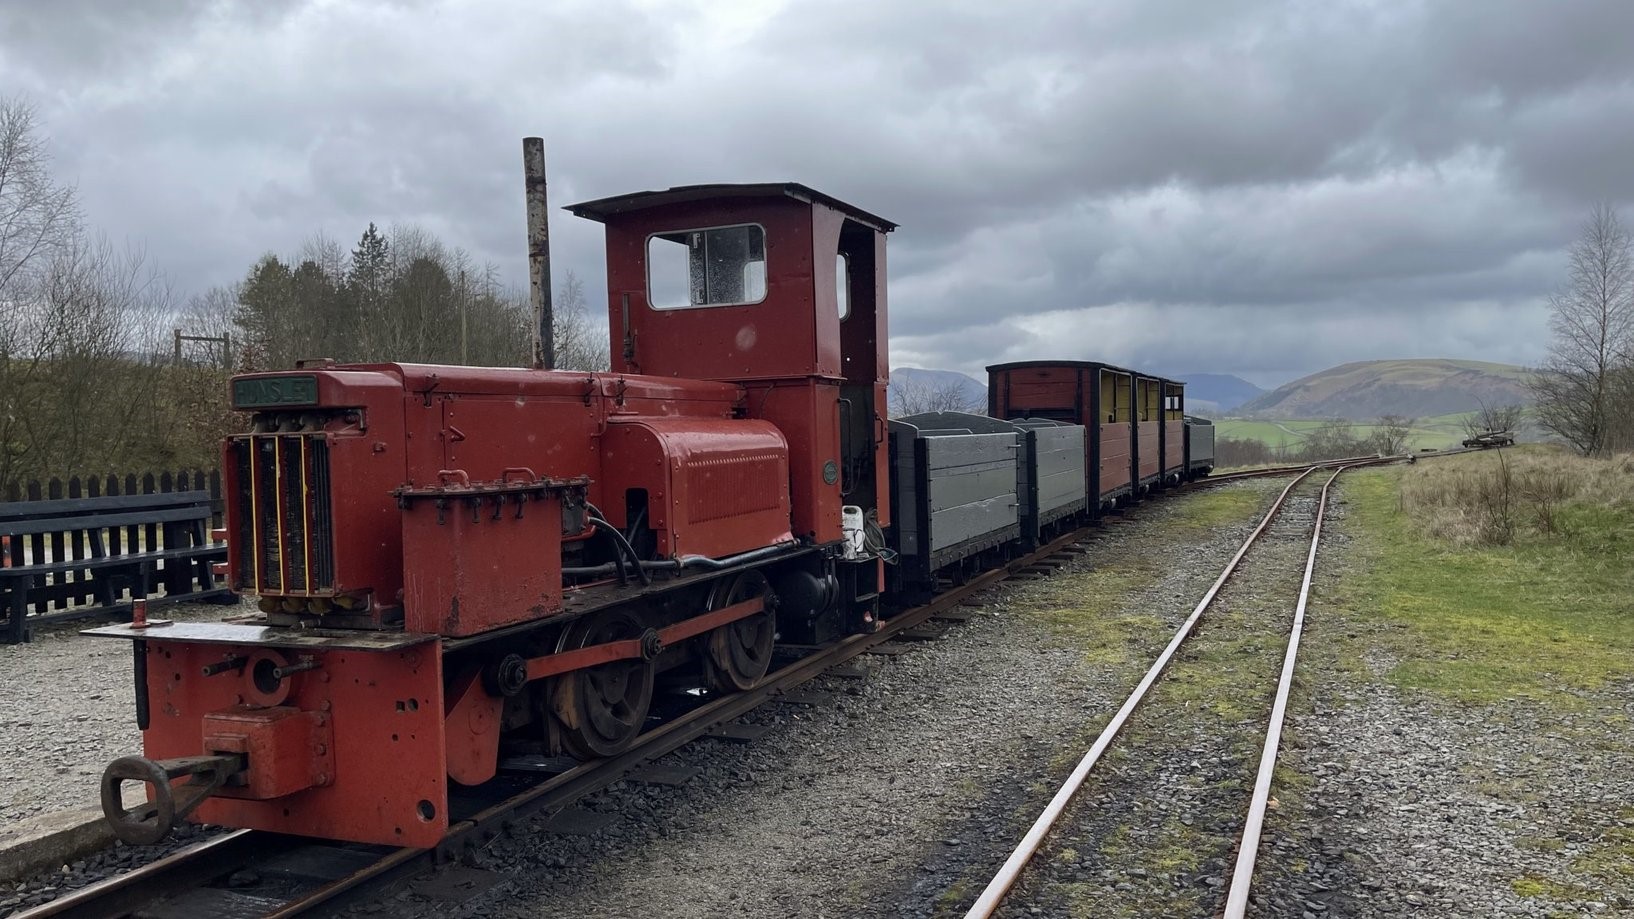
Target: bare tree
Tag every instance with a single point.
(1593, 326)
(210, 312)
(581, 342)
(1335, 438)
(1230, 452)
(911, 396)
(329, 255)
(1493, 418)
(38, 219)
(84, 392)
(1390, 433)
(37, 215)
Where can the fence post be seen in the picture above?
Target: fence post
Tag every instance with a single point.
(218, 505)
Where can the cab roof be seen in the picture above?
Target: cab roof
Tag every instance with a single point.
(1087, 365)
(603, 209)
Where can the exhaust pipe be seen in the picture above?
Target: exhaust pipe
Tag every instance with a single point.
(533, 174)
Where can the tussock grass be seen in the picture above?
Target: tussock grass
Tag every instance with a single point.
(1548, 617)
(1496, 497)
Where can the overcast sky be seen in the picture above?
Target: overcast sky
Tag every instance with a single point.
(1256, 188)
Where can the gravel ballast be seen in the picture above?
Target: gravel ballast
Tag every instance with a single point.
(68, 706)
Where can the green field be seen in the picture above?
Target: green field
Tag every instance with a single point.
(1438, 432)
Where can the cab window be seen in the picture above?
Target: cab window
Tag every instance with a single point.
(720, 266)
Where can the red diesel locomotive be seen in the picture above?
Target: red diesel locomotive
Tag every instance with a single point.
(454, 559)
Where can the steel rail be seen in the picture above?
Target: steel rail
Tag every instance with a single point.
(993, 894)
(205, 861)
(1347, 462)
(1301, 467)
(1242, 878)
(117, 895)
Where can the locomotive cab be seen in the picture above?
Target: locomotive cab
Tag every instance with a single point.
(780, 289)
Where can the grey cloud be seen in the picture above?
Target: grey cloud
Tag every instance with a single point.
(1577, 145)
(90, 39)
(1136, 181)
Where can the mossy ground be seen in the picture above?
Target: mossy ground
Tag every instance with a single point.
(1093, 608)
(1544, 620)
(1219, 507)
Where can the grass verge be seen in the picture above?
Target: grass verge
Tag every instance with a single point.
(1542, 618)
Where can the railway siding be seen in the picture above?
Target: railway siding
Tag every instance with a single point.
(1422, 774)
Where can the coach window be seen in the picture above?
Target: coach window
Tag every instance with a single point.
(842, 284)
(720, 266)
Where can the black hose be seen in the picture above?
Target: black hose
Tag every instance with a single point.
(688, 561)
(716, 564)
(635, 526)
(874, 538)
(618, 562)
(623, 545)
(596, 517)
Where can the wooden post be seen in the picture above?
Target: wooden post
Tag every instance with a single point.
(533, 173)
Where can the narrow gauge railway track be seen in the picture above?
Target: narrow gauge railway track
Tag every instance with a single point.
(1369, 460)
(304, 874)
(992, 897)
(1291, 470)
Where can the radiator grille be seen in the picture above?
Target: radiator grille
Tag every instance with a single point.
(729, 486)
(285, 524)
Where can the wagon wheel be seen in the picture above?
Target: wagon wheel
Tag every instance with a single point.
(602, 708)
(741, 651)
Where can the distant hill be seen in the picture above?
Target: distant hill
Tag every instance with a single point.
(1223, 390)
(921, 383)
(1364, 390)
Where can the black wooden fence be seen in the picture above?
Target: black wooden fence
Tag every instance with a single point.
(75, 549)
(147, 483)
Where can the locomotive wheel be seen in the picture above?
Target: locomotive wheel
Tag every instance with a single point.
(602, 709)
(741, 651)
